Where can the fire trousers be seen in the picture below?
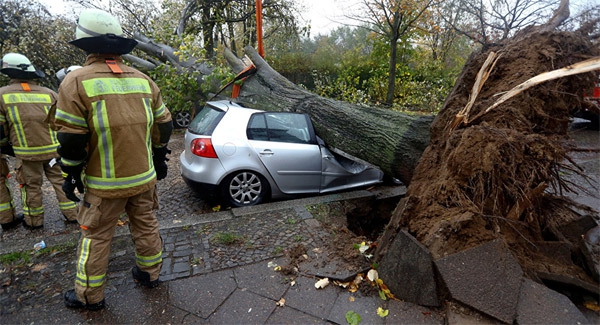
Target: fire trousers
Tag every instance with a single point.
(30, 177)
(98, 219)
(7, 206)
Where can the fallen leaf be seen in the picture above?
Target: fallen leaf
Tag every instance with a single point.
(277, 268)
(352, 318)
(592, 306)
(216, 208)
(271, 264)
(372, 275)
(293, 283)
(39, 267)
(382, 312)
(382, 295)
(281, 302)
(322, 283)
(305, 256)
(351, 299)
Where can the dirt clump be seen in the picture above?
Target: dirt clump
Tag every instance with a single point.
(501, 175)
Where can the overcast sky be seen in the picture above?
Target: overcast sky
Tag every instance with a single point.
(324, 15)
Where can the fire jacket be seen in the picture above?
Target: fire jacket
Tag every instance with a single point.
(24, 106)
(119, 111)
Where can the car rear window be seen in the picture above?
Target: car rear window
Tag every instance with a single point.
(206, 120)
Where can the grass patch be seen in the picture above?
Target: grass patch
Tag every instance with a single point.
(227, 238)
(15, 258)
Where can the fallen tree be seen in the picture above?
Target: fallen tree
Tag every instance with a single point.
(392, 140)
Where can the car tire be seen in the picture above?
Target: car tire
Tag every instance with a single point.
(244, 188)
(182, 119)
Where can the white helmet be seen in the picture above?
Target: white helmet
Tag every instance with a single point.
(100, 32)
(18, 66)
(62, 73)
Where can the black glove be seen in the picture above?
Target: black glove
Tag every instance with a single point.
(7, 150)
(159, 158)
(72, 175)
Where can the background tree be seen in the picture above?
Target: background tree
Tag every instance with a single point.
(27, 27)
(395, 20)
(492, 21)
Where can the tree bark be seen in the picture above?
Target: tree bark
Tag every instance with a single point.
(391, 140)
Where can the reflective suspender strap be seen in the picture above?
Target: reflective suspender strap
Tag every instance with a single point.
(114, 67)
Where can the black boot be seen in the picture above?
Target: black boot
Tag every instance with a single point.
(69, 221)
(15, 222)
(143, 278)
(71, 301)
(31, 227)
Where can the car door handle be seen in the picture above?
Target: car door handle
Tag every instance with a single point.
(266, 152)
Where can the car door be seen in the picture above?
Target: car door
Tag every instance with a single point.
(286, 145)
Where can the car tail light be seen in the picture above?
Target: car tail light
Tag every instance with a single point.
(203, 147)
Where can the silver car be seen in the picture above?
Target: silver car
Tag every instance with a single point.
(244, 156)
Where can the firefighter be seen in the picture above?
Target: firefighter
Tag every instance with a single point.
(24, 106)
(8, 218)
(62, 73)
(113, 129)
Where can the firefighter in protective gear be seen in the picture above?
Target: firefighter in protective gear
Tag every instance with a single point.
(8, 218)
(108, 116)
(62, 73)
(24, 106)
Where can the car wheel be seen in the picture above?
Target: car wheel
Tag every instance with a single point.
(183, 119)
(244, 188)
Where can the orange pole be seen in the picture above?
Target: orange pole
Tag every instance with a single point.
(259, 36)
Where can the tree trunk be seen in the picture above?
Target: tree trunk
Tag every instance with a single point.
(392, 140)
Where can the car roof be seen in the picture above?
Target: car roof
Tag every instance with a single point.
(227, 105)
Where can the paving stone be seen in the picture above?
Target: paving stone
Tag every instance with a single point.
(203, 294)
(402, 312)
(244, 307)
(304, 290)
(486, 278)
(540, 305)
(366, 307)
(407, 270)
(289, 315)
(136, 303)
(262, 280)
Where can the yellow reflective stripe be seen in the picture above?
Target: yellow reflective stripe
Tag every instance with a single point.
(150, 119)
(16, 98)
(27, 210)
(5, 206)
(70, 118)
(149, 260)
(116, 183)
(13, 115)
(2, 119)
(67, 205)
(84, 255)
(33, 211)
(36, 150)
(160, 111)
(68, 162)
(113, 86)
(90, 280)
(101, 125)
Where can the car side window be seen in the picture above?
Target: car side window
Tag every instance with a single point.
(279, 127)
(257, 128)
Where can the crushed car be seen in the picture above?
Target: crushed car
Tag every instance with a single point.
(241, 156)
